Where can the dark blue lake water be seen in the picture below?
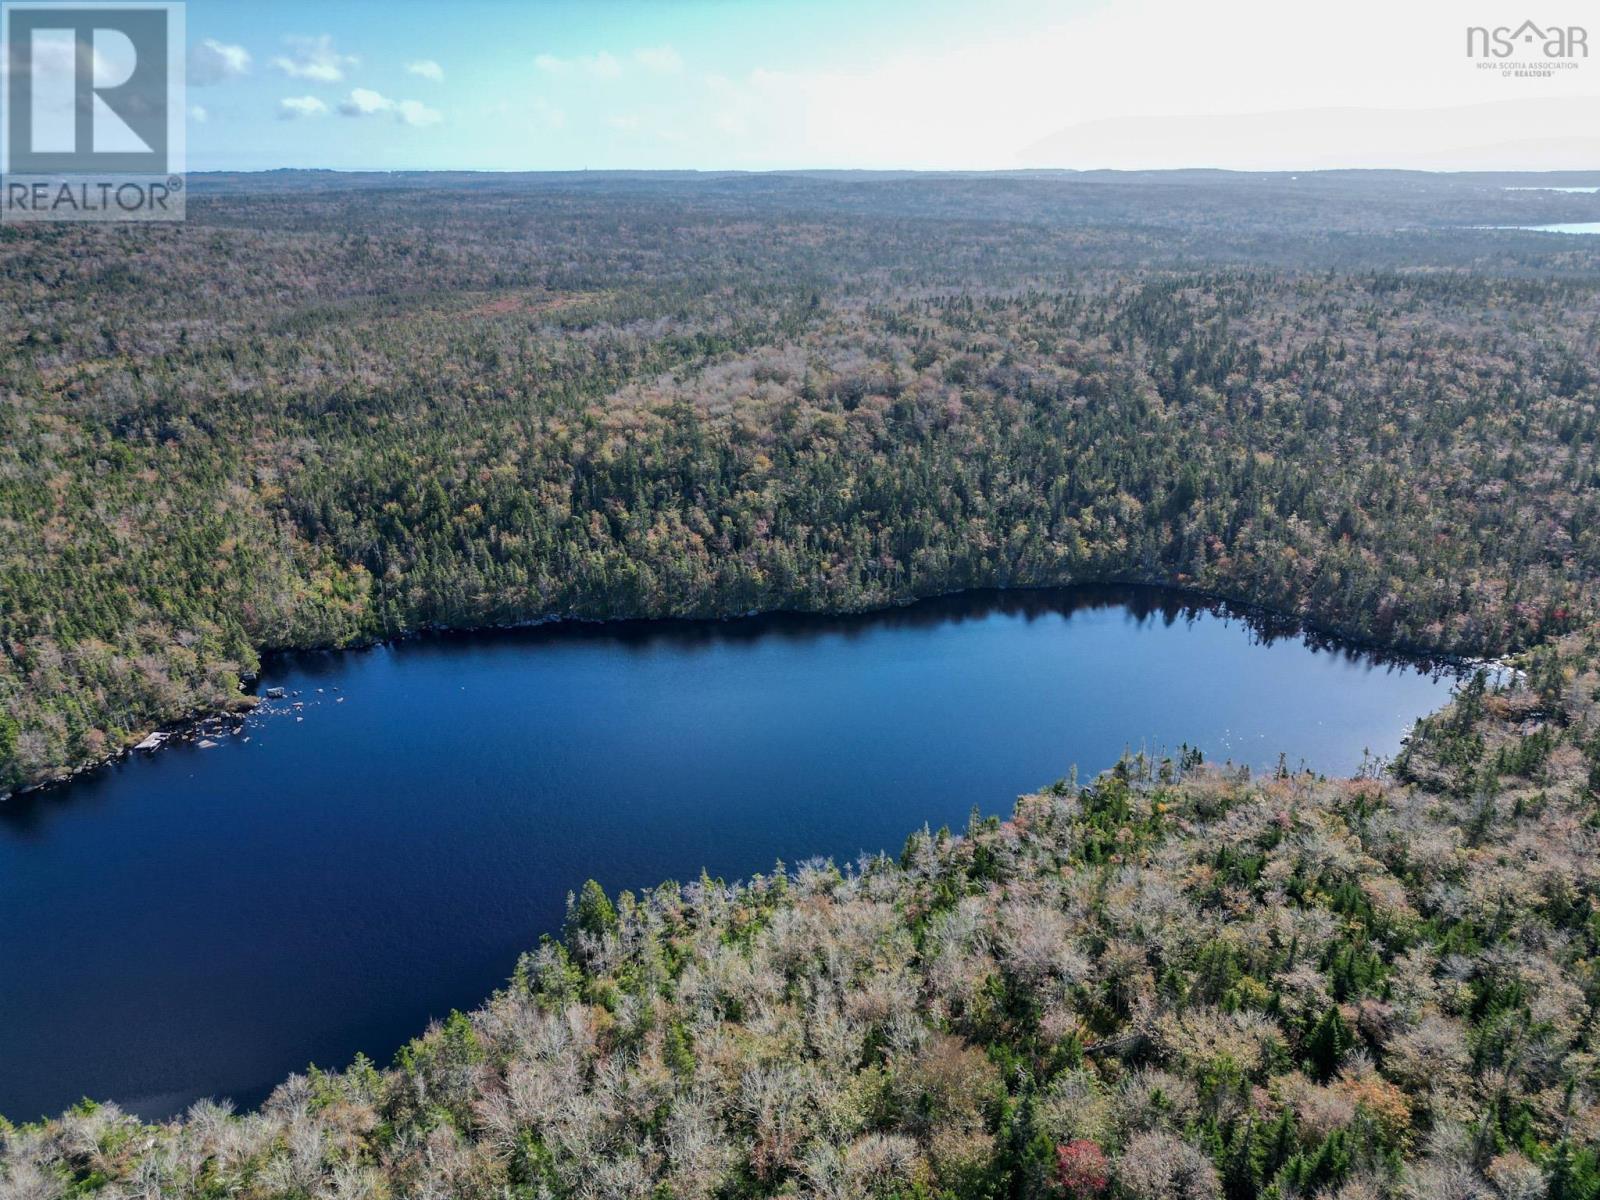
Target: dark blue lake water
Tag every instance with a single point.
(203, 921)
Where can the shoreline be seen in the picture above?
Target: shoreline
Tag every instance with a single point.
(1267, 621)
(181, 729)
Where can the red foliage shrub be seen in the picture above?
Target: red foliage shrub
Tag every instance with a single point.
(1081, 1169)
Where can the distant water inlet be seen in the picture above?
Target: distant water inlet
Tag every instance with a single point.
(1560, 227)
(375, 845)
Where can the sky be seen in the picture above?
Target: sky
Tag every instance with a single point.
(927, 84)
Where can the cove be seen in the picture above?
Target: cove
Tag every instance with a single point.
(205, 920)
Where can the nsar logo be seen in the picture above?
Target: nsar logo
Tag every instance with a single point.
(1528, 39)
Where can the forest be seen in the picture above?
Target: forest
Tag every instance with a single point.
(1178, 982)
(330, 410)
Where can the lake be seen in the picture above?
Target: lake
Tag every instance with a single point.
(205, 920)
(1562, 227)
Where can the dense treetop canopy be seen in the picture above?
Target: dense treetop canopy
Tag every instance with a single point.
(332, 409)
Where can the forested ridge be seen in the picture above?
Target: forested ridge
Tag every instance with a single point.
(328, 413)
(1180, 982)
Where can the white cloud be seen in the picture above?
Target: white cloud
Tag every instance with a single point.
(54, 56)
(211, 61)
(291, 107)
(603, 65)
(625, 123)
(426, 68)
(51, 57)
(663, 60)
(417, 114)
(991, 101)
(364, 102)
(198, 114)
(314, 58)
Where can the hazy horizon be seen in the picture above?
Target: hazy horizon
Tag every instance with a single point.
(899, 172)
(762, 86)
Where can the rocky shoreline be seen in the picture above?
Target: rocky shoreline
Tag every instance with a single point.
(193, 726)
